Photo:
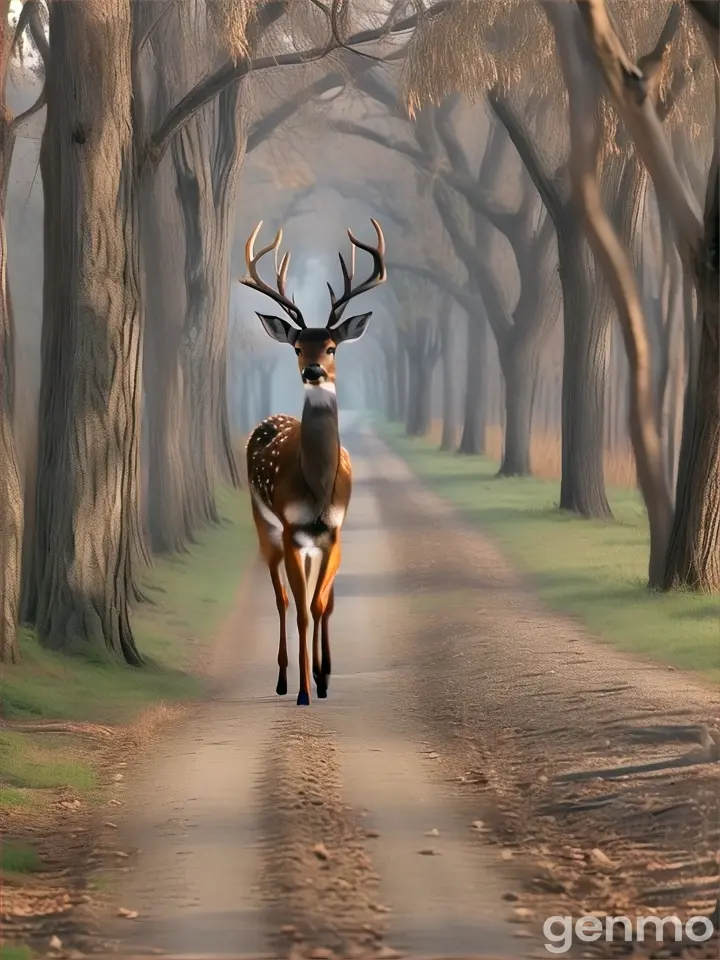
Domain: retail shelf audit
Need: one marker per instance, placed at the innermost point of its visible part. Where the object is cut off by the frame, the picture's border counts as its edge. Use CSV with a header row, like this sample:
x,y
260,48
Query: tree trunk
x,y
89,419
693,558
412,414
11,501
586,327
520,372
424,401
401,381
208,173
472,441
391,391
163,289
450,419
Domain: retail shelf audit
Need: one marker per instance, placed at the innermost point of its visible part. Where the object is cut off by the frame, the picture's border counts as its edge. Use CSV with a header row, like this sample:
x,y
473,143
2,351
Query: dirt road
x,y
353,826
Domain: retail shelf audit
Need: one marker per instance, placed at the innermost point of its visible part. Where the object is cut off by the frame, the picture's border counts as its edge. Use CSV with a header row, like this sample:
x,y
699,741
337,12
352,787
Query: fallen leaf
x,y
600,859
55,943
117,777
127,914
523,915
320,851
433,833
108,823
506,854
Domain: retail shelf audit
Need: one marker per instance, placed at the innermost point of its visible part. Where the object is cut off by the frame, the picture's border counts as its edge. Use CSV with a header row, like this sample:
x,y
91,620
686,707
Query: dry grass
x,y
545,457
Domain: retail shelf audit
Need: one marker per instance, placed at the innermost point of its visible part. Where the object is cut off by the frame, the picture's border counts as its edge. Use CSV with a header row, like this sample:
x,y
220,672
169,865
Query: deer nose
x,y
313,373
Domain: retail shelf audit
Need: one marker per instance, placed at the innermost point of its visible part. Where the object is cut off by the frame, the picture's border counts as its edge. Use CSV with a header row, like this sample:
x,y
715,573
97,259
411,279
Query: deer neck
x,y
320,443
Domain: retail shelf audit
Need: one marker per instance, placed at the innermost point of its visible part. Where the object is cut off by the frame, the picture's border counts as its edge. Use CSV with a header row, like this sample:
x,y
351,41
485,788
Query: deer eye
x,y
330,351
298,351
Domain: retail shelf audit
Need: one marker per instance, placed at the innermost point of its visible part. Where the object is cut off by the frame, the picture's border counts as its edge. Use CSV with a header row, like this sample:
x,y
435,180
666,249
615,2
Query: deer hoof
x,y
303,699
281,688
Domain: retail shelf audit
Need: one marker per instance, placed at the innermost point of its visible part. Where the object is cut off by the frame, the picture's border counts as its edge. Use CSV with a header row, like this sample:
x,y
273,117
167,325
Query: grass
x,y
18,858
593,570
9,951
190,595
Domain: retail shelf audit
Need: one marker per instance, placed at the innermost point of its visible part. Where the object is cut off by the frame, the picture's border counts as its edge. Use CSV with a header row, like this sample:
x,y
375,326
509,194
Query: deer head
x,y
314,346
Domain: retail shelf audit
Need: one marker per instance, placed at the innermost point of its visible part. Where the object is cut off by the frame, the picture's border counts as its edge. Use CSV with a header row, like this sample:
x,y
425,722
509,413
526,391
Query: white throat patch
x,y
320,394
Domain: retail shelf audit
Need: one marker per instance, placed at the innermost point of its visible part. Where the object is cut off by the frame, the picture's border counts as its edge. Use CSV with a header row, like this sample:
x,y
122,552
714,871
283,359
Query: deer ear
x,y
278,329
351,329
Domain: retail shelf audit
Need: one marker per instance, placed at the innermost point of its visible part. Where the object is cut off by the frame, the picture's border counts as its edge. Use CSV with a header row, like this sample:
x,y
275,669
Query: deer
x,y
299,476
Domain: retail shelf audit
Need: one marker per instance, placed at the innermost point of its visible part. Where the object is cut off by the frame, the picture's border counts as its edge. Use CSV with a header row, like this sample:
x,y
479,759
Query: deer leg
x,y
295,568
319,607
281,600
326,634
272,553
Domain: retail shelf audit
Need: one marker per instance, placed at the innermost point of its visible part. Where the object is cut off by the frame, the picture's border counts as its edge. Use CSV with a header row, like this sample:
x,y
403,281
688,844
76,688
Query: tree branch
x,y
231,72
545,179
26,115
475,264
352,129
460,177
629,92
439,278
31,19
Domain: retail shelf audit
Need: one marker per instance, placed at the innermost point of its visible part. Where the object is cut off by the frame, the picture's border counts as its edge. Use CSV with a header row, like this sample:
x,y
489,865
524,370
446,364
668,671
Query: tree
x,y
683,550
11,500
88,438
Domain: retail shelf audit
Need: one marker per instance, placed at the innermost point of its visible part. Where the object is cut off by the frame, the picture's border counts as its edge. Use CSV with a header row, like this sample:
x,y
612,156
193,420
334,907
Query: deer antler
x,y
378,275
254,280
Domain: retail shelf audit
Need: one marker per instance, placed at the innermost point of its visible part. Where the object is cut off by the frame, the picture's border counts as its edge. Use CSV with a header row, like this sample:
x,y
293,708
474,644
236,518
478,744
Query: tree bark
x,y
208,173
168,418
391,390
693,557
423,354
401,381
472,441
11,500
450,415
89,420
520,371
586,329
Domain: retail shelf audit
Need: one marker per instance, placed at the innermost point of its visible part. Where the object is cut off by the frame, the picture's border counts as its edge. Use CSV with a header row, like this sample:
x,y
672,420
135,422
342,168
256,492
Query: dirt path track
x,y
266,829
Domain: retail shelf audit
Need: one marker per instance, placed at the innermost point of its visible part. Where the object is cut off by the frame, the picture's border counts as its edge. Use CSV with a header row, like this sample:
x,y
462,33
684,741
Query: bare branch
x,y
232,72
547,181
352,129
23,117
628,89
31,19
435,275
